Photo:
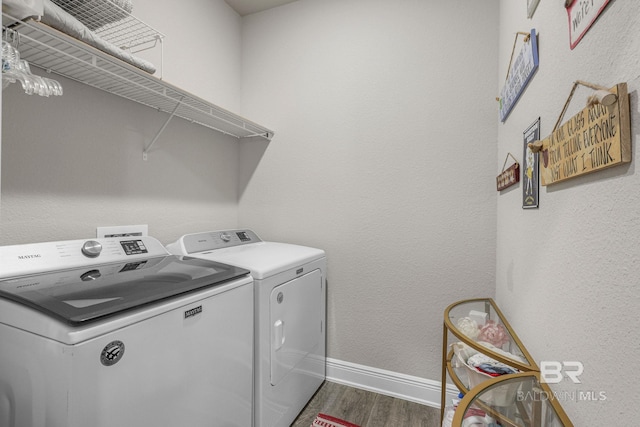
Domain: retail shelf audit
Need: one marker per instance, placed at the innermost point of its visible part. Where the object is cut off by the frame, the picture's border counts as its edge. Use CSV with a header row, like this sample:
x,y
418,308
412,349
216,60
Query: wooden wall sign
x,y
582,14
510,176
519,74
596,138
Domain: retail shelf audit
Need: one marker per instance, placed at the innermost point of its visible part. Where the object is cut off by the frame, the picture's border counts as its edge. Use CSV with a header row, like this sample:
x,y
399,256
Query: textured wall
x,y
383,156
201,47
567,273
74,162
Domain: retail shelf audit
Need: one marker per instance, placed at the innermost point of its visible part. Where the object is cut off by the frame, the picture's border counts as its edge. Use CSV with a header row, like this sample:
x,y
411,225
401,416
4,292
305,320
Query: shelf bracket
x,y
146,150
265,135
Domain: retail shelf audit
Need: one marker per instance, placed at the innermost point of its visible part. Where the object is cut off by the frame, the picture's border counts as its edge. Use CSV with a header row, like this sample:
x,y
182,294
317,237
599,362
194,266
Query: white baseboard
x,y
407,387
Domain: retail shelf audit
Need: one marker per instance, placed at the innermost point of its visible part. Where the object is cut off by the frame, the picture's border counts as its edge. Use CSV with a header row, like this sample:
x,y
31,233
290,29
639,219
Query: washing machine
x,y
120,332
290,304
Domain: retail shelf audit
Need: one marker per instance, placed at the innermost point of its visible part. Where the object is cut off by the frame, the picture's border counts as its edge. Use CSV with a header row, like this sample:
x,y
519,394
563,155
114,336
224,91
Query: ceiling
x,y
246,7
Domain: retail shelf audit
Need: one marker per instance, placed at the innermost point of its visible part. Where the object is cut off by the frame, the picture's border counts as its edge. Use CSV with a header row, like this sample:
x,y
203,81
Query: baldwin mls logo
x,y
112,353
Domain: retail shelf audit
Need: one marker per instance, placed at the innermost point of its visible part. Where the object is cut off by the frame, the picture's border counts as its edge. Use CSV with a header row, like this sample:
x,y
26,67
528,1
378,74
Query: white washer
x,y
119,332
290,304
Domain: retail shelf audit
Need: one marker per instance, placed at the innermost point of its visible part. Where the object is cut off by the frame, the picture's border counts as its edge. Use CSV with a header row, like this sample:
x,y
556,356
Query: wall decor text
x,y
509,176
520,72
596,138
582,15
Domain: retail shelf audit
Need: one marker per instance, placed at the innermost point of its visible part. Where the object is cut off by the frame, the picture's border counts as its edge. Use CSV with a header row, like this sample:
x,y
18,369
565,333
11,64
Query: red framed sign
x,y
509,177
582,14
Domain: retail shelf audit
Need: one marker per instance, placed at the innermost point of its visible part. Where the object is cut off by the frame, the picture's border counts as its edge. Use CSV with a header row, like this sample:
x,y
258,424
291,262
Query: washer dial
x,y
91,248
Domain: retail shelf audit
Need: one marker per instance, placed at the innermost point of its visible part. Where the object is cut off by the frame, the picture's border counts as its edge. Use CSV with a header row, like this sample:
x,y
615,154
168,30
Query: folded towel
x,y
21,9
489,365
57,18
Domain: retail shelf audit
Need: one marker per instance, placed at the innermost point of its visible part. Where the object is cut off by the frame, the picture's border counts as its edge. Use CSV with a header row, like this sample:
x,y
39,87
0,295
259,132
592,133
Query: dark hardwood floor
x,y
366,409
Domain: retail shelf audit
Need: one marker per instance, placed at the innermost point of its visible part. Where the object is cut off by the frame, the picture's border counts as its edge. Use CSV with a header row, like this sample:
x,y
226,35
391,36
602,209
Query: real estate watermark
x,y
553,372
562,396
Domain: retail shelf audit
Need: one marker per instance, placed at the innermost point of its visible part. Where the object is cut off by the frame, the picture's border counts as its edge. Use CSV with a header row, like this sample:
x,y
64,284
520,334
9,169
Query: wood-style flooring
x,y
366,409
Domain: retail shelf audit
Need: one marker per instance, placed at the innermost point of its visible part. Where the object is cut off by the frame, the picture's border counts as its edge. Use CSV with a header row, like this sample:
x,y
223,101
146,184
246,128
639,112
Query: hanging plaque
x,y
582,15
596,138
520,73
509,176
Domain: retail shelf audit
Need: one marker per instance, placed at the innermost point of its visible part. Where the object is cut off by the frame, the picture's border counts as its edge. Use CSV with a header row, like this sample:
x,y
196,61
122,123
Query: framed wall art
x,y
531,170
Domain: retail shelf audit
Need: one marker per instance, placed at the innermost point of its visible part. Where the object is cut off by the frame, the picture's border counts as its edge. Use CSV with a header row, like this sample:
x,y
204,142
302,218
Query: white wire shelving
x,y
61,54
113,22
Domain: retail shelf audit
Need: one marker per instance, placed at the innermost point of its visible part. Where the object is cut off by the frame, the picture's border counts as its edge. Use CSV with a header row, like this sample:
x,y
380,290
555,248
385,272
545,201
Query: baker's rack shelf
x,y
56,52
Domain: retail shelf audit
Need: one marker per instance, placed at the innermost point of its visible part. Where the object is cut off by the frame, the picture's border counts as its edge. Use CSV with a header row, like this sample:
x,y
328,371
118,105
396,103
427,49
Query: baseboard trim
x,y
389,383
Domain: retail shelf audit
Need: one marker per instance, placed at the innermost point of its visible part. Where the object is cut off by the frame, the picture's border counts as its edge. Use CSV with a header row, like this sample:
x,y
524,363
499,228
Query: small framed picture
x,y
531,7
531,169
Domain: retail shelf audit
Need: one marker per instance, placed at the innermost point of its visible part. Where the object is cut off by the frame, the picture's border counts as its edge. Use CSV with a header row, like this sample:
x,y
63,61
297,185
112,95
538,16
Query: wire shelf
x,y
59,53
112,21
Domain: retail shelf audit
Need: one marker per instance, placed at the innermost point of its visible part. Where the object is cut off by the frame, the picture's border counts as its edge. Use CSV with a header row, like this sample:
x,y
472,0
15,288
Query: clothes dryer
x,y
290,304
118,332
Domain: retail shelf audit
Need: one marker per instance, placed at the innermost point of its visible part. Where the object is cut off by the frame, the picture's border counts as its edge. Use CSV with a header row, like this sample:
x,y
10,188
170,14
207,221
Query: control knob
x,y
226,237
91,248
90,275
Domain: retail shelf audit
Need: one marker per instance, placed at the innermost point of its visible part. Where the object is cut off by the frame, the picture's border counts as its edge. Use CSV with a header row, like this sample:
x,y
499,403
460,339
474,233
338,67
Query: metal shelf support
x,y
146,150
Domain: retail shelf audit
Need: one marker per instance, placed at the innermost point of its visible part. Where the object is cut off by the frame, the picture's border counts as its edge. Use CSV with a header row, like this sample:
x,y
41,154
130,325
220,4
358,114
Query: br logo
x,y
551,372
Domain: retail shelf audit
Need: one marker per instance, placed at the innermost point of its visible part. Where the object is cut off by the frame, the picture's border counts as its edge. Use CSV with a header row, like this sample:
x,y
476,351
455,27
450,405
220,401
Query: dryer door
x,y
296,323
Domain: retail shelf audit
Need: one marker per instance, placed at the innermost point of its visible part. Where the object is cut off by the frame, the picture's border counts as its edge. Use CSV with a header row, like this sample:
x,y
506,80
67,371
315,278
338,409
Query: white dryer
x,y
290,304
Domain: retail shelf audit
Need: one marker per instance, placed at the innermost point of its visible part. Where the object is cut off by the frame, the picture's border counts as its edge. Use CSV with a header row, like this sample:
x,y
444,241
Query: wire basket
x,y
112,21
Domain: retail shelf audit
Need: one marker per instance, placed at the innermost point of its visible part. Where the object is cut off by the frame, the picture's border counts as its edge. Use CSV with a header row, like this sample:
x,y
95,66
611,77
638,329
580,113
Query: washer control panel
x,y
49,256
211,240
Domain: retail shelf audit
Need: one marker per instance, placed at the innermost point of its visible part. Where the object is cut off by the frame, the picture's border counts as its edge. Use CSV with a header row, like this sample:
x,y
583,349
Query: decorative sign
x,y
531,187
596,138
510,176
582,14
520,73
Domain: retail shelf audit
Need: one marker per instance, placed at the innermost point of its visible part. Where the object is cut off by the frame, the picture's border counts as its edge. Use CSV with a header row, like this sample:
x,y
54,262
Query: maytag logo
x,y
112,353
193,312
29,256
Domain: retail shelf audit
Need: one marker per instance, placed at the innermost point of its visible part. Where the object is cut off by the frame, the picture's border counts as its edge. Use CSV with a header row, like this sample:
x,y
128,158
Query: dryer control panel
x,y
211,240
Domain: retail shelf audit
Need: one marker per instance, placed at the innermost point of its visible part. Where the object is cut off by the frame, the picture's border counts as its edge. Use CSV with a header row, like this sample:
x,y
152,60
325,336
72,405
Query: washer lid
x,y
81,295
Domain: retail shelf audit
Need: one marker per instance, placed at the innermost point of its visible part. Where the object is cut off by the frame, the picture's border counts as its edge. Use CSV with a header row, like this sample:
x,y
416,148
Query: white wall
x,y
385,125
201,47
567,273
74,162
